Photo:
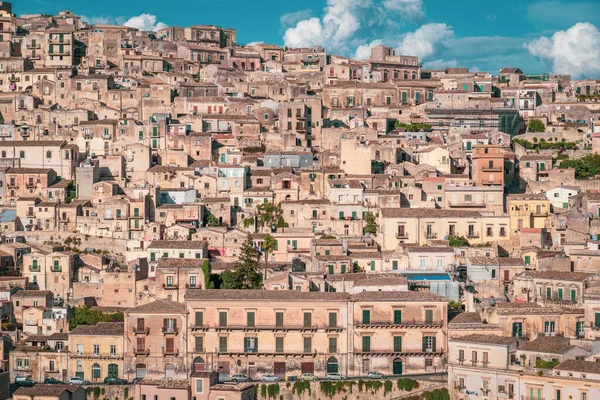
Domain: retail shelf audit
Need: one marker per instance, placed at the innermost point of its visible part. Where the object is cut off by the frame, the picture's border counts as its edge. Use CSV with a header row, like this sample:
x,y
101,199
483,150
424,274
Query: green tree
x,y
246,272
535,125
85,316
585,167
371,223
269,245
206,270
268,214
248,222
211,220
458,241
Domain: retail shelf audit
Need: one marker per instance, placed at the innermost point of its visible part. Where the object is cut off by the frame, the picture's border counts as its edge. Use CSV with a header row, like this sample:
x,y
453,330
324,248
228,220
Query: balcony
x,y
170,330
170,287
141,352
32,46
200,327
431,235
140,330
170,352
14,79
300,117
473,235
492,182
98,356
270,352
539,214
402,324
58,41
51,371
283,328
491,169
467,204
56,52
30,185
398,352
402,236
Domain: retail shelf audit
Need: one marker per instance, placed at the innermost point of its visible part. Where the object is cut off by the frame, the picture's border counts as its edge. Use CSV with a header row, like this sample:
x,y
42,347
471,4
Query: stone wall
x,y
348,390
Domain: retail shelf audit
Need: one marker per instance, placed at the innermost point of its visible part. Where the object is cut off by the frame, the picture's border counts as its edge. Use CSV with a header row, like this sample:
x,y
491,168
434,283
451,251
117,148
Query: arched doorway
x,y
113,371
96,372
198,364
332,365
397,367
140,370
170,371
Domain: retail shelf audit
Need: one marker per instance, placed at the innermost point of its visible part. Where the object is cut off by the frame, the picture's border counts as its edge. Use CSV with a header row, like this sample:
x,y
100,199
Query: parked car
x,y
78,381
333,376
52,381
308,377
136,379
114,381
269,378
375,375
23,380
241,378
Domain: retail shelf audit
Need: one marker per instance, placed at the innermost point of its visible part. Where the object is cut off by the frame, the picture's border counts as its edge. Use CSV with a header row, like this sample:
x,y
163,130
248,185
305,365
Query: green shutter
x,y
343,268
560,293
527,260
597,320
330,267
549,293
372,265
395,265
397,344
424,344
397,316
573,295
366,316
366,344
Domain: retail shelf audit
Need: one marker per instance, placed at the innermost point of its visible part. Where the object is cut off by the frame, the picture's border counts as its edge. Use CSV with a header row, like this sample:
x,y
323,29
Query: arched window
x,y
22,154
48,154
140,370
96,372
170,371
198,364
3,154
332,365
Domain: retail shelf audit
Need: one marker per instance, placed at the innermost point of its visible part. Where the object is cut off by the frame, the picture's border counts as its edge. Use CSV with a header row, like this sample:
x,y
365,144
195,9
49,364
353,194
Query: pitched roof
x,y
100,329
159,306
467,318
41,389
177,244
549,344
486,339
579,366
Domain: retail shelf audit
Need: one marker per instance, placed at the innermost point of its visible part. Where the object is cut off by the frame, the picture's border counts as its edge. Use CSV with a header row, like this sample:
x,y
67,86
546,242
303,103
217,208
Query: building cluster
x,y
409,221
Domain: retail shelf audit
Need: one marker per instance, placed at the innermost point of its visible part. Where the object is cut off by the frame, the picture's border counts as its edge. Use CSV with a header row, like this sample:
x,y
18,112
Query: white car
x,y
269,378
334,376
308,377
78,381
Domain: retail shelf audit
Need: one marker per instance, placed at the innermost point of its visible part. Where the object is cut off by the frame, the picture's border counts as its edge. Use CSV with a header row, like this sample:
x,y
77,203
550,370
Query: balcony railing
x,y
401,324
170,287
51,371
402,236
170,352
391,351
473,235
492,169
270,327
31,46
140,330
431,235
141,352
170,330
466,204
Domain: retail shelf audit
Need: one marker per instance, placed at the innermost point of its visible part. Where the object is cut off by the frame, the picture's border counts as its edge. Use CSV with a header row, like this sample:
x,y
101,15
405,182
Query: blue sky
x,y
539,36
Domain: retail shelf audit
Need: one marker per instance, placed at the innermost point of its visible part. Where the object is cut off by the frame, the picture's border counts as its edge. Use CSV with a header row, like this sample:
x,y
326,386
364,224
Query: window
x,y
279,319
366,344
223,344
332,345
332,319
250,319
397,317
199,387
517,329
48,154
22,154
429,316
307,345
96,350
366,316
395,265
307,319
397,344
222,318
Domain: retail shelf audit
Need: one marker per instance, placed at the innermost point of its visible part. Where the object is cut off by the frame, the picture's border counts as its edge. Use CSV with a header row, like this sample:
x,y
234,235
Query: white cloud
x,y
440,64
346,24
490,17
425,41
575,51
145,22
412,9
254,43
306,33
363,52
291,19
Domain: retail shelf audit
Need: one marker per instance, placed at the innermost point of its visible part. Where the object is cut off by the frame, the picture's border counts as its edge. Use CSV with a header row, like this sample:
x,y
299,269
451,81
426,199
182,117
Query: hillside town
x,y
185,217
